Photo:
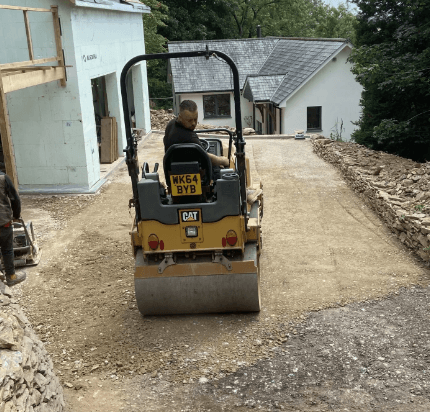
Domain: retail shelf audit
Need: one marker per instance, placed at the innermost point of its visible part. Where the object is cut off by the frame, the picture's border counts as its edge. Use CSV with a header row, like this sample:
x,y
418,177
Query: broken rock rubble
x,y
398,189
27,379
160,118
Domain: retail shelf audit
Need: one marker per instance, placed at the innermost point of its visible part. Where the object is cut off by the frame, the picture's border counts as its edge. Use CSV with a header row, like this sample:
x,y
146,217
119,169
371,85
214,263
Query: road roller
x,y
196,237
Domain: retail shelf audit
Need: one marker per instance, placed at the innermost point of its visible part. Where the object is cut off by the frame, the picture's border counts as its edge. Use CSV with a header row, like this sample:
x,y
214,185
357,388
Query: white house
x,y
287,84
54,128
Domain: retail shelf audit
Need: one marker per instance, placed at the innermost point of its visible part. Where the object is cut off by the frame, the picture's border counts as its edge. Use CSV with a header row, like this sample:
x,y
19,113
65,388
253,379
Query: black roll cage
x,y
131,149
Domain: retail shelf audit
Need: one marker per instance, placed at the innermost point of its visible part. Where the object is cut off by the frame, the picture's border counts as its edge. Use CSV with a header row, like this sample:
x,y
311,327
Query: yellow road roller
x,y
197,238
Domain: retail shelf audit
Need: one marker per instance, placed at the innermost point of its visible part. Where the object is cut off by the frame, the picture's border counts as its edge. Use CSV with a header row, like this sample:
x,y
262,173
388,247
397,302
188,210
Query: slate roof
x,y
298,59
262,88
196,74
272,67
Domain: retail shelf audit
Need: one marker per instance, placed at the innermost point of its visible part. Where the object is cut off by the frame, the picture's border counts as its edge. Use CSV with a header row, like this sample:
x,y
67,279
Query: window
x,y
314,118
216,105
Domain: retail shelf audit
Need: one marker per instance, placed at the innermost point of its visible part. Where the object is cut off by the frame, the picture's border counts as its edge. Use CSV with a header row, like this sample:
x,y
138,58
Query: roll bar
x,y
131,149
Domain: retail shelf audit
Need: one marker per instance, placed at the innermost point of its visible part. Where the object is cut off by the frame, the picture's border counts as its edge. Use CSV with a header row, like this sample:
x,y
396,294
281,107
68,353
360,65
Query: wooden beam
x,y
22,69
23,8
28,63
28,68
6,138
33,78
58,44
7,73
28,33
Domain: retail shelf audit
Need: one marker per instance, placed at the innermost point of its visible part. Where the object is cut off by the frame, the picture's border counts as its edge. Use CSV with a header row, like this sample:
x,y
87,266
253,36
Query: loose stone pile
x,y
398,189
27,380
160,118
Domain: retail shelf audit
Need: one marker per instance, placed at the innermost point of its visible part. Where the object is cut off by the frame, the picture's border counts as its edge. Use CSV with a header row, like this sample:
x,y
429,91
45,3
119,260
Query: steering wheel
x,y
205,144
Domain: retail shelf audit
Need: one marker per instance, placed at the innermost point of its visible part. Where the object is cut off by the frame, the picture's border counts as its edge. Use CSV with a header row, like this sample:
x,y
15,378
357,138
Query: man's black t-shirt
x,y
176,133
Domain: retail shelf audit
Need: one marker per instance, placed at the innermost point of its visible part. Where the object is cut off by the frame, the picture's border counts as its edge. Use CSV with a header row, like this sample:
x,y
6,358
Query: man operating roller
x,y
181,130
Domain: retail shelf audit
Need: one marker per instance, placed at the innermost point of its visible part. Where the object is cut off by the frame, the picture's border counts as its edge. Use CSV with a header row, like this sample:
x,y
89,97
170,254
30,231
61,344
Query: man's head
x,y
188,114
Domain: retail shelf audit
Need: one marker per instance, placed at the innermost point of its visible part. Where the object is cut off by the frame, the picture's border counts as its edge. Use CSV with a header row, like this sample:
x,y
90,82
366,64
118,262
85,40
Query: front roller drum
x,y
198,287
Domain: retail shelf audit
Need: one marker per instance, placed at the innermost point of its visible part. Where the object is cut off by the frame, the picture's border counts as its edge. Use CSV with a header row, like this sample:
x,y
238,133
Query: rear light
x,y
224,242
153,242
231,237
191,231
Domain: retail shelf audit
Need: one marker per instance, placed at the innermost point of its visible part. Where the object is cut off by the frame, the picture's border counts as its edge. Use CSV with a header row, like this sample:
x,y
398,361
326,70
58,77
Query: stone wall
x,y
397,189
27,380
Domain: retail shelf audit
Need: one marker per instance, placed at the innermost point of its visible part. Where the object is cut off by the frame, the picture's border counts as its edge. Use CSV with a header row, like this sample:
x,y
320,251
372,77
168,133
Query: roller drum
x,y
198,293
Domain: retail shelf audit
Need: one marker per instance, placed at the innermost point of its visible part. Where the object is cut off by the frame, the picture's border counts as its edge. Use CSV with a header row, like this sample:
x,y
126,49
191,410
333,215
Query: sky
x,y
336,3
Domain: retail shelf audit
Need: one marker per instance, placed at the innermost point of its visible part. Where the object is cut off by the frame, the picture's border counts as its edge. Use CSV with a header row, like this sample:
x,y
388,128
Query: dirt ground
x,y
341,327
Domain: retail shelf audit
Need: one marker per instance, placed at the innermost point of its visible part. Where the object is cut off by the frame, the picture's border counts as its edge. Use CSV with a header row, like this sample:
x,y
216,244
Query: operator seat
x,y
188,158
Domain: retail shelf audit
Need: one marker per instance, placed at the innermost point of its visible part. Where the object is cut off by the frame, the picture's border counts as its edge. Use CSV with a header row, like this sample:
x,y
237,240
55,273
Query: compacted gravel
x,y
313,346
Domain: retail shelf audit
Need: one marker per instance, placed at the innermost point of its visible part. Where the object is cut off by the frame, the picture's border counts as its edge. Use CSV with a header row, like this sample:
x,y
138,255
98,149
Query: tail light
x,y
231,237
153,242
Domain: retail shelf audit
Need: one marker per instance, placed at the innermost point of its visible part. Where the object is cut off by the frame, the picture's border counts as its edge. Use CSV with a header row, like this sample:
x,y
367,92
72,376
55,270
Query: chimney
x,y
259,31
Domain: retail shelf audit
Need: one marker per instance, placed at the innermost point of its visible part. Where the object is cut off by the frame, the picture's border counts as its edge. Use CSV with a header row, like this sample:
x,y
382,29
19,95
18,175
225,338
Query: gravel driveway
x,y
324,252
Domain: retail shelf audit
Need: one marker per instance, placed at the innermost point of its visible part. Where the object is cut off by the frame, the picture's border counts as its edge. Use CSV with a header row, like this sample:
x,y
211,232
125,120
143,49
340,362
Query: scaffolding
x,y
19,75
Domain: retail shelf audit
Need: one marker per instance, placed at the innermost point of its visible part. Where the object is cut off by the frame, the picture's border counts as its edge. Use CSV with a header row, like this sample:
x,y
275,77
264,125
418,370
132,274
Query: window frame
x,y
217,115
314,129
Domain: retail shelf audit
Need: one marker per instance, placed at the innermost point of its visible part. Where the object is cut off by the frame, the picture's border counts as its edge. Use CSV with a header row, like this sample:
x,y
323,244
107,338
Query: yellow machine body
x,y
199,275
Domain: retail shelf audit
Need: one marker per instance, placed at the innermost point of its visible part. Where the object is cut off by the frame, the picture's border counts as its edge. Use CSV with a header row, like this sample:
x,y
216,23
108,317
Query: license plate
x,y
186,185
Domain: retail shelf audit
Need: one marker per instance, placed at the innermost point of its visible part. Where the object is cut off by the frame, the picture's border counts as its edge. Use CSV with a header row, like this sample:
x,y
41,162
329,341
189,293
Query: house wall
x,y
246,109
53,128
335,89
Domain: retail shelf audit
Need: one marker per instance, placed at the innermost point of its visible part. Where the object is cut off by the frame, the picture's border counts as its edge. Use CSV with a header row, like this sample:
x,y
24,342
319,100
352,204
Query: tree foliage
x,y
156,43
231,19
307,18
197,20
393,65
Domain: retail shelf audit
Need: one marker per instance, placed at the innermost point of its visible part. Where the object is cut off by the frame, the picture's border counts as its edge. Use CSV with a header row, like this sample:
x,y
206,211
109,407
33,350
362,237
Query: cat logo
x,y
190,216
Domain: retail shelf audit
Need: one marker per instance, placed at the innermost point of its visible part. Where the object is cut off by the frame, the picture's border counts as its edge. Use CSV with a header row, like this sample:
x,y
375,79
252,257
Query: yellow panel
x,y
171,235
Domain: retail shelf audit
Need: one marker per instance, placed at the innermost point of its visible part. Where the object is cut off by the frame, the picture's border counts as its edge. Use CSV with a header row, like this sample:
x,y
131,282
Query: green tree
x,y
393,66
157,43
247,14
197,20
335,22
310,18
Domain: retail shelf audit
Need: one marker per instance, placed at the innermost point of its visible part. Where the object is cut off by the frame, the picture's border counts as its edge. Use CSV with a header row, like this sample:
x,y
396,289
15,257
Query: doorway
x,y
101,108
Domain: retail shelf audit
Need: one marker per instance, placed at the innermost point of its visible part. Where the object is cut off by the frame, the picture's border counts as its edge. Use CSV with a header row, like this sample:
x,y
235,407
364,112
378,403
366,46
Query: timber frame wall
x,y
19,75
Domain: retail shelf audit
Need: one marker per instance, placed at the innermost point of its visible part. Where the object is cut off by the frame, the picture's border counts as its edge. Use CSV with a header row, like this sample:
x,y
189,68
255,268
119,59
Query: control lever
x,y
145,169
156,168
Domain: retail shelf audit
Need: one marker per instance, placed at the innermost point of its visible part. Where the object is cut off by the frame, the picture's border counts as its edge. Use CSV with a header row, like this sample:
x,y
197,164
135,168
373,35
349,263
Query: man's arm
x,y
15,201
218,160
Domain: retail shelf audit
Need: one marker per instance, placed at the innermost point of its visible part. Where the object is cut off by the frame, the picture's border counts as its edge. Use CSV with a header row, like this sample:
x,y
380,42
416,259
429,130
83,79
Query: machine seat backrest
x,y
187,156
